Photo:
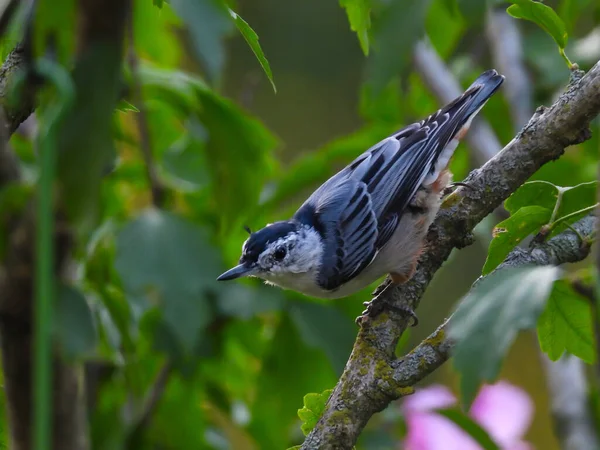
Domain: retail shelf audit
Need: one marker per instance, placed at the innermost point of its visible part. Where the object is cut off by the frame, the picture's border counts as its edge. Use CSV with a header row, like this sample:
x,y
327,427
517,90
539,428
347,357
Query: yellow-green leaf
x,y
359,16
314,405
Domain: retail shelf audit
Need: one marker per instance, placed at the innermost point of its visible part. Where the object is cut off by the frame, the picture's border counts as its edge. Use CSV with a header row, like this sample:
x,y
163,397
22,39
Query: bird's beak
x,y
241,270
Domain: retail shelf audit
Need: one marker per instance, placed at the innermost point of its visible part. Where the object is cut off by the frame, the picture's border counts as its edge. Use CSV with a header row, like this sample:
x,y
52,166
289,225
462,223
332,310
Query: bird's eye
x,y
279,253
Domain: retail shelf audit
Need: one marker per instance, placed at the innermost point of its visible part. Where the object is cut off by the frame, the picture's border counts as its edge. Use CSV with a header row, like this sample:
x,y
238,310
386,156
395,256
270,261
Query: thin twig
x,y
156,187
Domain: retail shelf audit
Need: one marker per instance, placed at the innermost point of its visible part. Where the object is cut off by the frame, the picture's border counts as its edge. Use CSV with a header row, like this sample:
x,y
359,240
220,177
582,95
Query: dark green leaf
x,y
566,324
488,318
252,39
539,193
168,262
470,427
238,154
510,232
542,15
324,327
396,31
158,3
311,412
208,22
359,16
74,325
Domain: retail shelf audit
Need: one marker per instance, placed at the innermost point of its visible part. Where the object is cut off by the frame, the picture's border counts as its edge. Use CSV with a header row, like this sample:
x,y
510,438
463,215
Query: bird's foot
x,y
379,304
452,186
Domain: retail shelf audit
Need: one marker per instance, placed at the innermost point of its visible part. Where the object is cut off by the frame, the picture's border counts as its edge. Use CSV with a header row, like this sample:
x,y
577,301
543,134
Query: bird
x,y
370,219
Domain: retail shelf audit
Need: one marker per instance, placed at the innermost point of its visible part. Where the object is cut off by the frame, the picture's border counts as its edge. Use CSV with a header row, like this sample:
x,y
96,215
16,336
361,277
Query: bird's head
x,y
279,249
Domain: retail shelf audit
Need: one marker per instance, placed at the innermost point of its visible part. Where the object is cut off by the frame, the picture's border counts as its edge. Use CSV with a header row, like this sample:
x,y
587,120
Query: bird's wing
x,y
345,218
357,210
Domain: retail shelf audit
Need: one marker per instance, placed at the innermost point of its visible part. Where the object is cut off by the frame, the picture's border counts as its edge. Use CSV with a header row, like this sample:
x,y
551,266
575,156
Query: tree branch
x,y
435,350
16,111
367,385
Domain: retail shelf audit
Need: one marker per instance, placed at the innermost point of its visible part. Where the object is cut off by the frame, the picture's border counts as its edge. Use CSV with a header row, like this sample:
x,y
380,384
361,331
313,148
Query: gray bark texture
x,y
367,384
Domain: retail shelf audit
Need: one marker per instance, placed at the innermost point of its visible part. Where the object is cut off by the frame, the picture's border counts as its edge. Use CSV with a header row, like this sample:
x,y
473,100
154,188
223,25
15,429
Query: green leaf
x,y
252,39
510,232
396,31
314,405
575,198
239,157
125,106
487,320
542,15
359,16
168,262
540,193
566,325
208,23
545,194
158,3
74,324
324,327
470,427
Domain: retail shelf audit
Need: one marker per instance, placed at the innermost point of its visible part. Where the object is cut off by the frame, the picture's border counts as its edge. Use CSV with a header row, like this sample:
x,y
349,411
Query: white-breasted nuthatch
x,y
370,219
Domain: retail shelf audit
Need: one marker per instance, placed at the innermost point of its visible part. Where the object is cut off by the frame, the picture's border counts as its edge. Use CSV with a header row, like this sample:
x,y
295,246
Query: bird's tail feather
x,y
485,85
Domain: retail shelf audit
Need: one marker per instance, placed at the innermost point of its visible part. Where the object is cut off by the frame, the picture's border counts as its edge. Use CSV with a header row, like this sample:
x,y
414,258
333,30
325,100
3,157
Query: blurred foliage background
x,y
235,359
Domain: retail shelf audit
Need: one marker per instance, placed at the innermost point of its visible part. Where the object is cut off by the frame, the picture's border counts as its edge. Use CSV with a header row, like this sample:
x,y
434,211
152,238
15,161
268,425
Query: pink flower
x,y
503,410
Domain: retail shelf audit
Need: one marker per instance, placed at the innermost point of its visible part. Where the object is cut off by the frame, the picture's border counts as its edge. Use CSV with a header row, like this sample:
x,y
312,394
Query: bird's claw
x,y
377,305
452,186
